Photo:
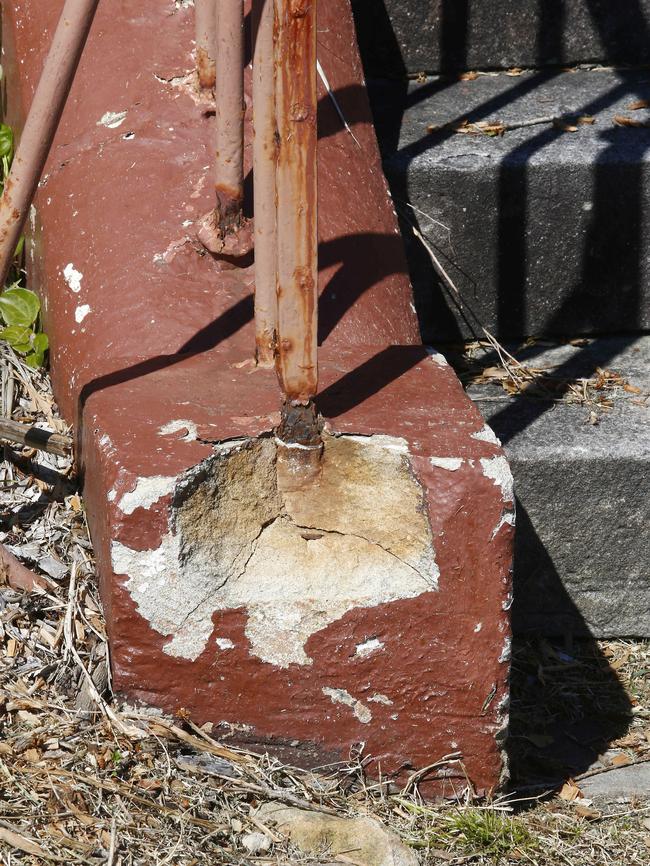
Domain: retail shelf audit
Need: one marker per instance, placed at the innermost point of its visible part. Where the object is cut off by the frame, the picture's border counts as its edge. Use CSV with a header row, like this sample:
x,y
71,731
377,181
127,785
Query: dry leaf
x,y
564,127
570,792
515,72
631,389
586,811
15,840
622,120
32,756
468,76
620,761
638,104
586,120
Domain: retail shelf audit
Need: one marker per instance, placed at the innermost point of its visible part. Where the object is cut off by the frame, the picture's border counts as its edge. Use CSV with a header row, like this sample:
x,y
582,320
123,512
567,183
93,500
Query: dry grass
x,y
83,780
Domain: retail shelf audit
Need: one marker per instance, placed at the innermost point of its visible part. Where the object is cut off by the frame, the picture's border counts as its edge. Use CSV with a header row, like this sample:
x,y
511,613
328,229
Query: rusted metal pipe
x,y
41,125
205,13
225,230
264,168
297,222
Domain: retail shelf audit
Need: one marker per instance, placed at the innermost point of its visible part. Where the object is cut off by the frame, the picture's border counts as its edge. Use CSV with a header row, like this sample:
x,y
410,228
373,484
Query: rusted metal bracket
x,y
41,125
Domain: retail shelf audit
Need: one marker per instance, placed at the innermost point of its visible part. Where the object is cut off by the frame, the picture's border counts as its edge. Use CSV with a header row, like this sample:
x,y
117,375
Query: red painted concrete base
x,y
373,611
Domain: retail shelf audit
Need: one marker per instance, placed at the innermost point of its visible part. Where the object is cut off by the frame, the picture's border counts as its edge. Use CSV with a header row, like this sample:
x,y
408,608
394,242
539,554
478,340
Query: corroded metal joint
x,y
299,446
300,424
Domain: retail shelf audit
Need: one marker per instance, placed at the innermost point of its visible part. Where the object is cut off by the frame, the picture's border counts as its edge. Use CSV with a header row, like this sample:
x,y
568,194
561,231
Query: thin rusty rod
x,y
297,201
41,125
264,168
224,230
205,15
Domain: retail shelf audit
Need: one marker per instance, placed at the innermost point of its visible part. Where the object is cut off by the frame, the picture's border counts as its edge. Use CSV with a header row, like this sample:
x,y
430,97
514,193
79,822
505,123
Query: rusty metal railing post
x,y
41,125
205,12
264,168
297,223
225,230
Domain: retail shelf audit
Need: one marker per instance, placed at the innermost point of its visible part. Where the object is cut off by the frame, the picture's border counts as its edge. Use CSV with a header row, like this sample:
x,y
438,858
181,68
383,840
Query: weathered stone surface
x,y
367,841
622,784
542,231
433,35
582,549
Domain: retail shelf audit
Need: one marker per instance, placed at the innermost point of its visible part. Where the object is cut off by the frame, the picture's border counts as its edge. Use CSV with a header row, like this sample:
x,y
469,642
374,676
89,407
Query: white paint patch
x,y
32,217
498,471
81,312
450,463
178,425
368,647
506,652
146,492
340,696
507,519
380,440
487,434
378,698
225,643
437,357
111,495
73,277
112,119
478,627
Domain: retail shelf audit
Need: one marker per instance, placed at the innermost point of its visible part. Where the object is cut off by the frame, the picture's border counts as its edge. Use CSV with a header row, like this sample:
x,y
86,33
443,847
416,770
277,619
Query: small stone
x,y
618,785
316,833
256,843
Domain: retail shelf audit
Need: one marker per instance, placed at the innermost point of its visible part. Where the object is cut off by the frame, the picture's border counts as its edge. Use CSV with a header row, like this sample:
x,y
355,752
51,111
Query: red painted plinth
x,y
152,341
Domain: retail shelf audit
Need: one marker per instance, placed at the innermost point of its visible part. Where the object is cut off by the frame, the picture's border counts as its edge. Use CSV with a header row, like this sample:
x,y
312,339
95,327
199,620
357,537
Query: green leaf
x,y
35,359
20,247
18,337
6,140
19,307
40,343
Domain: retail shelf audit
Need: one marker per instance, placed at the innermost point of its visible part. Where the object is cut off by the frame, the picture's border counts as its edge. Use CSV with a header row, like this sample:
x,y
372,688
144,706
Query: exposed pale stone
x,y
364,840
296,560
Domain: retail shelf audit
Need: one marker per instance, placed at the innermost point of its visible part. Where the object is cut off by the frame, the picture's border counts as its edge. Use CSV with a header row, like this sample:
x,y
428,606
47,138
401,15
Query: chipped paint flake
x,y
73,277
112,119
146,492
486,434
368,647
81,312
225,643
378,698
498,471
507,519
190,428
452,464
340,696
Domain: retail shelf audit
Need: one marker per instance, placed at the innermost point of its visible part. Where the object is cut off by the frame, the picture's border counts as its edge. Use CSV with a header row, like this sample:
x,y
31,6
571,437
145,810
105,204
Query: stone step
x,y
582,482
413,36
542,230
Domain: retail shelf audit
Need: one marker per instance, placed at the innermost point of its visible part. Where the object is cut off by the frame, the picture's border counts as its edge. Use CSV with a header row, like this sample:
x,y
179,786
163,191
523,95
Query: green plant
x,y
6,151
20,309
